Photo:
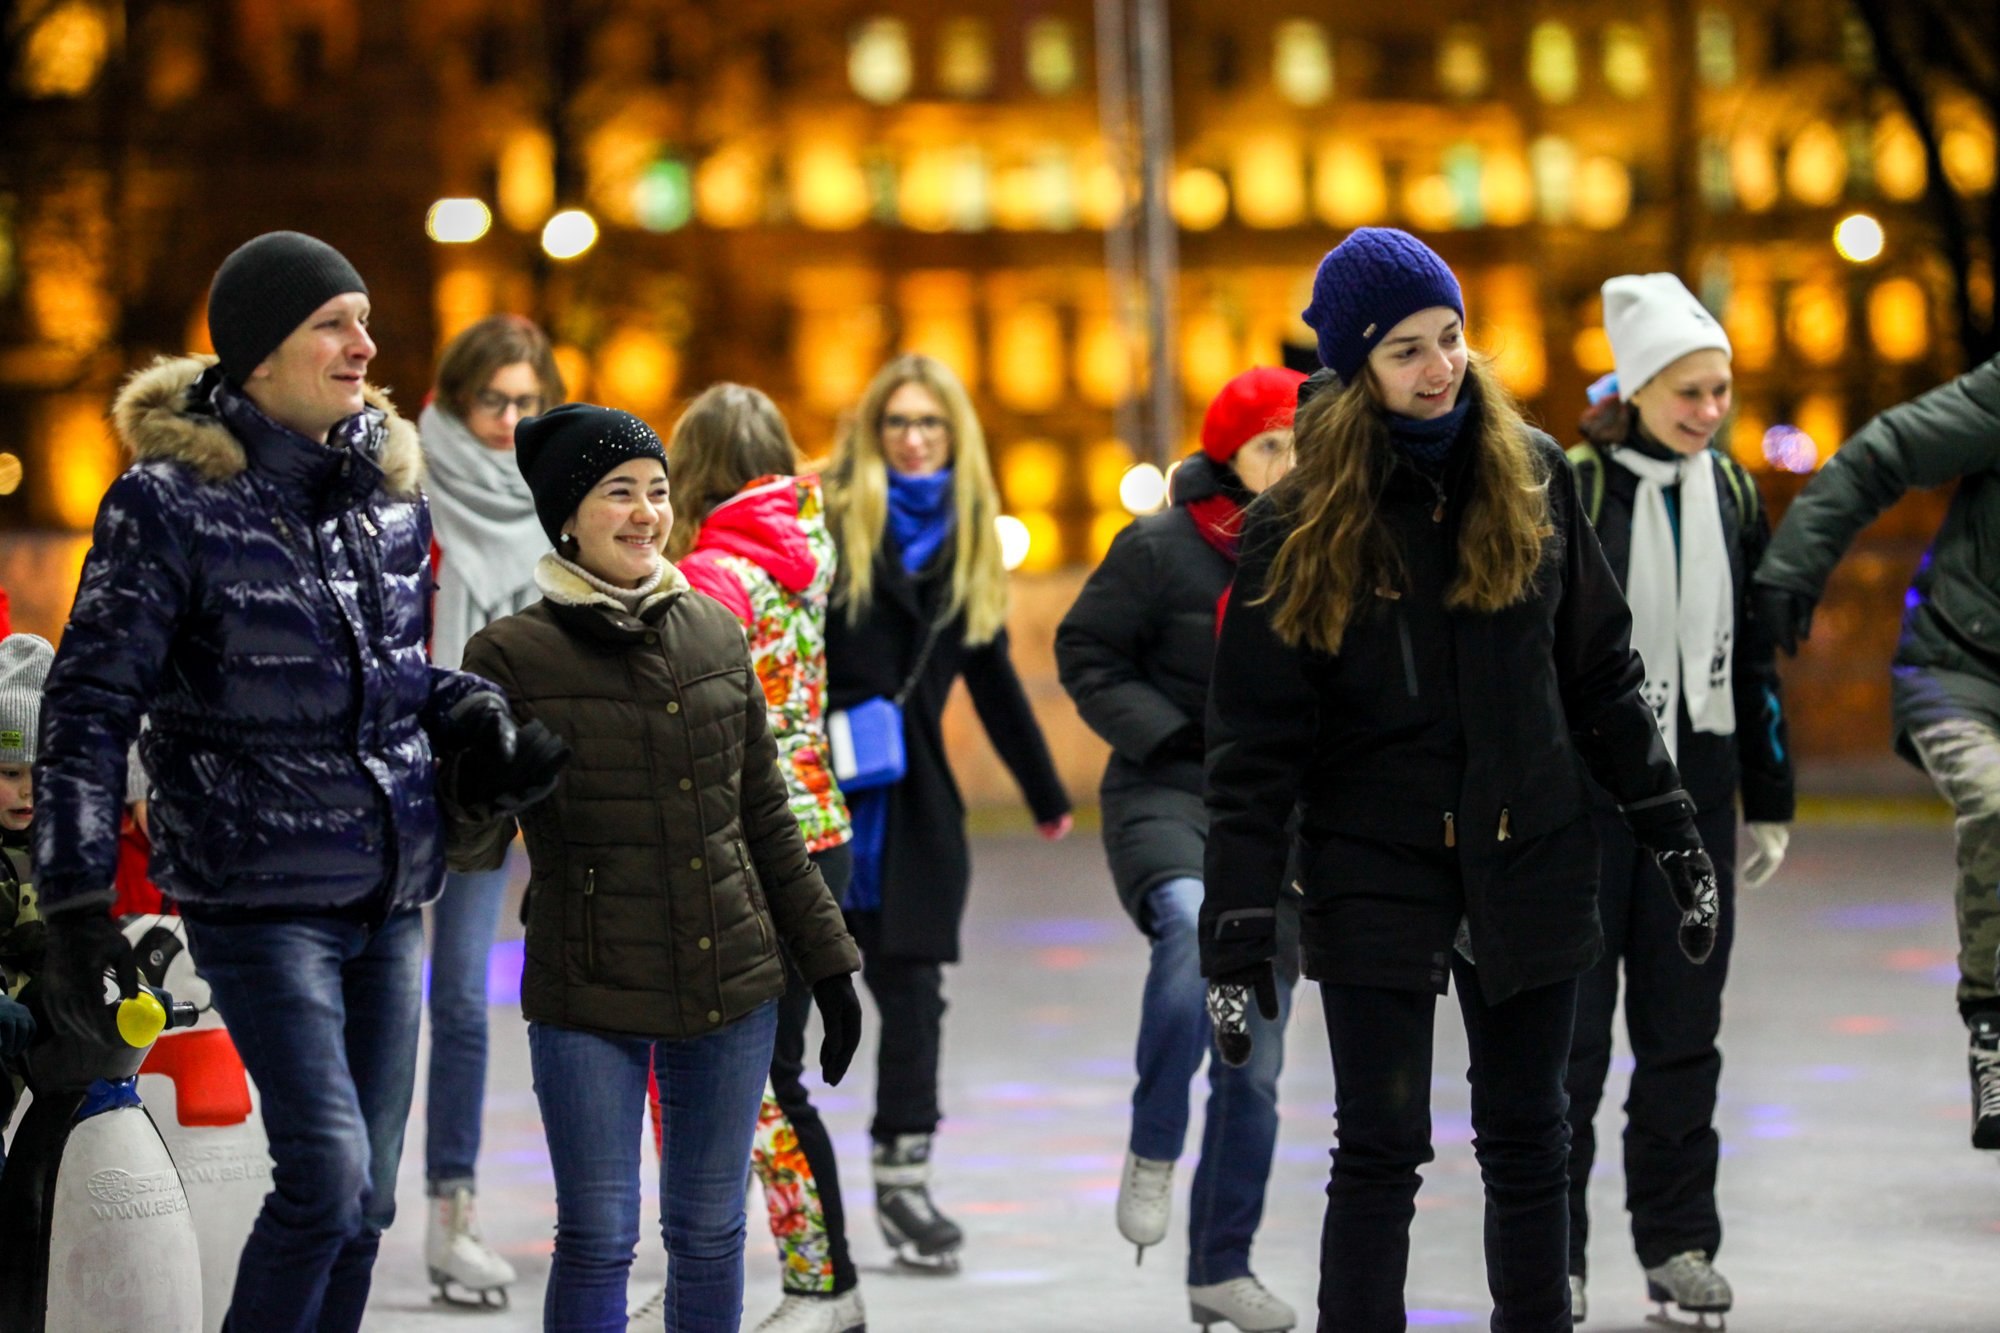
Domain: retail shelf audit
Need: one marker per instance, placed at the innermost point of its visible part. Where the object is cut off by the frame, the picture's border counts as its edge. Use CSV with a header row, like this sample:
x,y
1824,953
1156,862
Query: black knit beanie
x,y
567,450
265,289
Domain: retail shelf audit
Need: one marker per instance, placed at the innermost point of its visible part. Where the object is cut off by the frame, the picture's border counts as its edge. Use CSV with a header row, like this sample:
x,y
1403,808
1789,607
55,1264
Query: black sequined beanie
x,y
268,287
566,451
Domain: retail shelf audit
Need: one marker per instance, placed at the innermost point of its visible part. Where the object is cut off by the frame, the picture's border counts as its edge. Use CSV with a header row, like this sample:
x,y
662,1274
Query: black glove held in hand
x,y
17,1028
840,1015
494,766
1784,615
84,944
1229,997
1691,880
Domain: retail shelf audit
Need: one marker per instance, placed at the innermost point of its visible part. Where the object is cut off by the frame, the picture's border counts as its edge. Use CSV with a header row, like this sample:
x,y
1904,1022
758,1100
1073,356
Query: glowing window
x,y
729,187
1752,171
1603,193
878,60
527,179
1899,320
1816,322
1052,60
1715,48
1302,62
1349,187
1628,60
1462,69
1552,163
64,52
1717,190
1816,167
1552,67
1968,155
1464,171
1506,188
1200,200
1270,181
663,199
965,58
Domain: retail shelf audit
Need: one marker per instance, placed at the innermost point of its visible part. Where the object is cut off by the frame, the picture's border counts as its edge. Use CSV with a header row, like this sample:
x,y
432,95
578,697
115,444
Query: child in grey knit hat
x,y
24,665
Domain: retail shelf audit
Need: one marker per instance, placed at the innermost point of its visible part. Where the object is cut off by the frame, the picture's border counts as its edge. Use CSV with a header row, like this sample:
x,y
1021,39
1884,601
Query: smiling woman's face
x,y
1420,364
621,527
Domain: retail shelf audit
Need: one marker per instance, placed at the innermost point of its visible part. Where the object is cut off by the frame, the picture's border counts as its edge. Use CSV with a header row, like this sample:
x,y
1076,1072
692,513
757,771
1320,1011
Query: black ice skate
x,y
1983,1062
923,1238
1690,1283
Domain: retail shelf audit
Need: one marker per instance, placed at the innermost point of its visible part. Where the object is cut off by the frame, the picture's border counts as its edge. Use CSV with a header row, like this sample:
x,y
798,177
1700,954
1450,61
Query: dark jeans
x,y
1673,1011
909,996
324,1012
788,1064
1381,1042
464,920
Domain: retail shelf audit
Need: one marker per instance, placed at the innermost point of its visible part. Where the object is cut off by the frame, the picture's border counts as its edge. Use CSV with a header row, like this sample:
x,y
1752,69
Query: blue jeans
x,y
324,1011
464,920
1241,1128
592,1089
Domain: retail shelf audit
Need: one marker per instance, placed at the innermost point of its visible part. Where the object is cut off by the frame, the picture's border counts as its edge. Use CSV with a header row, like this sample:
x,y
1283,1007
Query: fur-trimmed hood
x,y
152,419
562,584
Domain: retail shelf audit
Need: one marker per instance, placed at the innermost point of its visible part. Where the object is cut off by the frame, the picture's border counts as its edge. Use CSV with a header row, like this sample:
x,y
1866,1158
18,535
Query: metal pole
x,y
1156,140
1114,116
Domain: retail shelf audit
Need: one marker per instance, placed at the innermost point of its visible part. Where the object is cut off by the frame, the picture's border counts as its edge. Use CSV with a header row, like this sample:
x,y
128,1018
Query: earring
x,y
566,545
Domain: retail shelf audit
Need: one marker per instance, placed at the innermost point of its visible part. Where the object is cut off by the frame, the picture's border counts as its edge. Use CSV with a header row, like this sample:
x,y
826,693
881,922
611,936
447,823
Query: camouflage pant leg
x,y
1963,759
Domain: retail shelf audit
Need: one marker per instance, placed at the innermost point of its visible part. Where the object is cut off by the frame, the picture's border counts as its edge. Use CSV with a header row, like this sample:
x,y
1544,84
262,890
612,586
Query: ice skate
x,y
464,1269
1688,1282
650,1314
1579,1304
922,1237
817,1314
1983,1061
1145,1201
1243,1302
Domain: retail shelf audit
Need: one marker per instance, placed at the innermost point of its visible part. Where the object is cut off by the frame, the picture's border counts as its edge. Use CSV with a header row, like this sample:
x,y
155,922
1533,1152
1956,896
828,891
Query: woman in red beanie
x,y
1134,653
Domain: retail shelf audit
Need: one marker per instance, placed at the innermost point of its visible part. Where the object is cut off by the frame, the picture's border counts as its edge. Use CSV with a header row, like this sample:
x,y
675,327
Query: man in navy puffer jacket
x,y
258,586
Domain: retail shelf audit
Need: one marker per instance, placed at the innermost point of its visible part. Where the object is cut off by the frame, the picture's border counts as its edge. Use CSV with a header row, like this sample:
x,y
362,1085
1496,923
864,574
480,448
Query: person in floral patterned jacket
x,y
753,535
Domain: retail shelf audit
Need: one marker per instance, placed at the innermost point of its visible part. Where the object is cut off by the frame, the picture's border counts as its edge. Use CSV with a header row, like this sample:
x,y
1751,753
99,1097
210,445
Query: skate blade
x,y
927,1265
1208,1318
449,1292
1713,1321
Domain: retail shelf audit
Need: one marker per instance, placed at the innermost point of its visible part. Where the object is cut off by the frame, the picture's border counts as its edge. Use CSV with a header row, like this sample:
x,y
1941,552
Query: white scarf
x,y
1683,609
488,536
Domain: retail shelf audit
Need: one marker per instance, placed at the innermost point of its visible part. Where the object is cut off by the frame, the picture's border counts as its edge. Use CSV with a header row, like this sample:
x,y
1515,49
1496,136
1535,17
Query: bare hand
x,y
1055,830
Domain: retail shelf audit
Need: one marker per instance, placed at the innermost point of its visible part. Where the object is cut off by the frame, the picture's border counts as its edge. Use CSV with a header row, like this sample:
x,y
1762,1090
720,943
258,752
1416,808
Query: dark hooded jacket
x,y
264,599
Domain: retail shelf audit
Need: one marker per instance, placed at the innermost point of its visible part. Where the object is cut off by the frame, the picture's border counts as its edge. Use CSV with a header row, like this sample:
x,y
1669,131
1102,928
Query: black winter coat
x,y
1757,759
1951,621
264,598
1450,740
1134,652
926,870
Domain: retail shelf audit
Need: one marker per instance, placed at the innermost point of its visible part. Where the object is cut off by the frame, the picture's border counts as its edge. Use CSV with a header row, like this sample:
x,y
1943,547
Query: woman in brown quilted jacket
x,y
666,872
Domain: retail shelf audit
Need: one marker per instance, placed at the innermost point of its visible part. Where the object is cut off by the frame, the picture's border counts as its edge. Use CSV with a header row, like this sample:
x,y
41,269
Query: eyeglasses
x,y
524,405
894,426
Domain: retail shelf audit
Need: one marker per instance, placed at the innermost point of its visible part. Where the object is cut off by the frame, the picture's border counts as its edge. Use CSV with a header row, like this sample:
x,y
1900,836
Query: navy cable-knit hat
x,y
1368,284
266,288
566,451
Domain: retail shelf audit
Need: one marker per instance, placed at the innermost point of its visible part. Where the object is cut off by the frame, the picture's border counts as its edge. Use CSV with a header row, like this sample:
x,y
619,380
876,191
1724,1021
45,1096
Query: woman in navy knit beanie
x,y
1424,654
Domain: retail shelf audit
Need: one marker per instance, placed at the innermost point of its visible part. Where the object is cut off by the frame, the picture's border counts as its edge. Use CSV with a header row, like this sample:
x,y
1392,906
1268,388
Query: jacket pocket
x,y
590,922
759,909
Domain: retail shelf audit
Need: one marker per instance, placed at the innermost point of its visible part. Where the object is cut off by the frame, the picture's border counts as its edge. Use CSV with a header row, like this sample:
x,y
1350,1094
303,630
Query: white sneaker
x,y
1242,1301
649,1315
1579,1304
464,1269
1145,1201
818,1314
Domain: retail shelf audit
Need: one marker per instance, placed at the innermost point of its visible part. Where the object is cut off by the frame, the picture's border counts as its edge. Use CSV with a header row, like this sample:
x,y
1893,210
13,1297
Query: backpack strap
x,y
1741,487
1589,465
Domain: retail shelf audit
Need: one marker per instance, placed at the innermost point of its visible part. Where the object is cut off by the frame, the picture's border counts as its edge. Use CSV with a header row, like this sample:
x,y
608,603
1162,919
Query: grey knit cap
x,y
24,665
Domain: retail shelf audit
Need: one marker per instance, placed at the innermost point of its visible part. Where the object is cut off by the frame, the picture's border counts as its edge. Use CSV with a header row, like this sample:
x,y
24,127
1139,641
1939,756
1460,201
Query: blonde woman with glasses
x,y
921,601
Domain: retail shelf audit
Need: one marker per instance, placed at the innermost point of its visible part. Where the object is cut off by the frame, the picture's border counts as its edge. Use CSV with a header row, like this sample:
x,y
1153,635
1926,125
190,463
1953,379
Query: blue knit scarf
x,y
921,515
1428,443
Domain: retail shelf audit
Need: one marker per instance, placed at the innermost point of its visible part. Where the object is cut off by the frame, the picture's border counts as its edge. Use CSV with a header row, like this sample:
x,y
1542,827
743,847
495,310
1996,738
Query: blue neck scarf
x,y
1428,443
921,515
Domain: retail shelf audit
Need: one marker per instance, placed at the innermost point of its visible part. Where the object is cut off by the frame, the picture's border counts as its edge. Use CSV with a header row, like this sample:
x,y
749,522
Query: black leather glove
x,y
1229,997
84,944
17,1027
493,766
840,1015
1786,616
1691,880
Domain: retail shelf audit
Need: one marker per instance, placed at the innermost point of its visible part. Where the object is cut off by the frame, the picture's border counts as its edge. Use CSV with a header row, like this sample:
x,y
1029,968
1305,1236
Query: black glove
x,y
494,767
17,1027
840,1015
84,944
1785,616
1691,880
1187,743
1229,996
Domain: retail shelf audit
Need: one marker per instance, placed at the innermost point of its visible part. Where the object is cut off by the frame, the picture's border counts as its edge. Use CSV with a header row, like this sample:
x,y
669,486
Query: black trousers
x,y
1673,1011
788,1065
1382,1042
909,996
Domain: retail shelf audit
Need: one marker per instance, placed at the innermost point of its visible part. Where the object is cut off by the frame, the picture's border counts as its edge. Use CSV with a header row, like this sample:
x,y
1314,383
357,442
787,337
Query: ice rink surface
x,y
1850,1198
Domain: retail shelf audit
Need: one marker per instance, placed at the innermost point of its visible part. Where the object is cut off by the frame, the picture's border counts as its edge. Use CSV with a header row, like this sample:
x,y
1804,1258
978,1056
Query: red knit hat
x,y
1252,403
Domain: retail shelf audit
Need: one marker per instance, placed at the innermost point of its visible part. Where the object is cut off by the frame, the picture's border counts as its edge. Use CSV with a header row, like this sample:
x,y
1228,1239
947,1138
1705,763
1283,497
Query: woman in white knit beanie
x,y
1683,528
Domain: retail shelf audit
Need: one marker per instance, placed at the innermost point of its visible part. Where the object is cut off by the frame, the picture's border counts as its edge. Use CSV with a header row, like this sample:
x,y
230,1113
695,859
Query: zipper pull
x,y
590,881
1437,515
1450,829
1505,831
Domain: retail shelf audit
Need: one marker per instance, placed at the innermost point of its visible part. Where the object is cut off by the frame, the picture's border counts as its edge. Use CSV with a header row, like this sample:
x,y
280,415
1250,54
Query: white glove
x,y
1767,852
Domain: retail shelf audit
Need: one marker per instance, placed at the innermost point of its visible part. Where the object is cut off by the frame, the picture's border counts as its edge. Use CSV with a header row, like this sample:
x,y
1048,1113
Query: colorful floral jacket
x,y
767,554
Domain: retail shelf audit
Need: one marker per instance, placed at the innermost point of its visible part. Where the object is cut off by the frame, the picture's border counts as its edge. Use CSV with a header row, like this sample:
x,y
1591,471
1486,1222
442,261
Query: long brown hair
x,y
729,436
857,498
1338,550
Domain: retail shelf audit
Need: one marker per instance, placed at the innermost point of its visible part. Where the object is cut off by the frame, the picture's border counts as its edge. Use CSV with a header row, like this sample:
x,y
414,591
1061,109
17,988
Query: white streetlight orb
x,y
1014,541
1143,489
569,233
457,221
1858,238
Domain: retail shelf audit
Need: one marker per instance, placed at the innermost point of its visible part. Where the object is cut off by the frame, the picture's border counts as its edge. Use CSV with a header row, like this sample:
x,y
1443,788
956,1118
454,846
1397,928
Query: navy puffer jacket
x,y
264,598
